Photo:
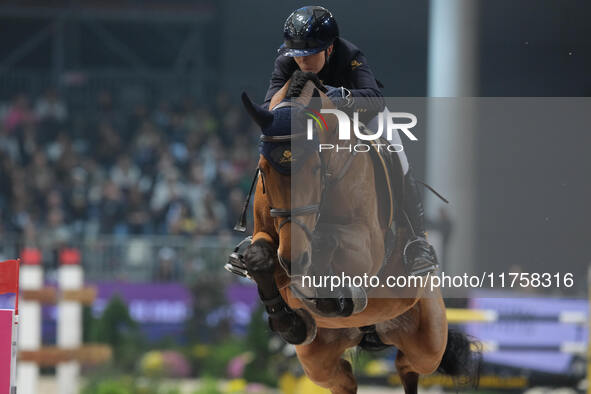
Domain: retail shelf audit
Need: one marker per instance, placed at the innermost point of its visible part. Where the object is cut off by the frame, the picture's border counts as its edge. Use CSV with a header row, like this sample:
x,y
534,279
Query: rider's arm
x,y
282,71
363,82
364,85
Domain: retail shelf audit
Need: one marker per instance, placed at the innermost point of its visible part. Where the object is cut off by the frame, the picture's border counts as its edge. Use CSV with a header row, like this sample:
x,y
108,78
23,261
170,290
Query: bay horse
x,y
323,329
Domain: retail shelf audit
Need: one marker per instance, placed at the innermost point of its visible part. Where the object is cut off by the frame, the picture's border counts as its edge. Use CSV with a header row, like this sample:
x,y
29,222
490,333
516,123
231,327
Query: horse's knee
x,y
319,376
332,375
433,346
260,257
421,353
422,361
427,365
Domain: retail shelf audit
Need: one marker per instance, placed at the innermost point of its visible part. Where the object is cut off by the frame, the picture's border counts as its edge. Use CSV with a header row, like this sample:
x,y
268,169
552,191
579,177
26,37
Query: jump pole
x,y
69,324
29,339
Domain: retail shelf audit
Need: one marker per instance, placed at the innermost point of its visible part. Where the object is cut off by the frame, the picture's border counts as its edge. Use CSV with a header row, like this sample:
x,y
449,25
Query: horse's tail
x,y
462,359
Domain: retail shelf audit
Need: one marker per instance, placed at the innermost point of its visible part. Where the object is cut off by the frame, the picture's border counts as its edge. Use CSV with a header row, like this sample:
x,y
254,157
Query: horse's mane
x,y
298,81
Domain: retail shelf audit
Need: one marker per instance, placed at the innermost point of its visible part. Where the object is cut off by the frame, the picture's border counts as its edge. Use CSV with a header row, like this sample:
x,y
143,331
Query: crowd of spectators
x,y
178,167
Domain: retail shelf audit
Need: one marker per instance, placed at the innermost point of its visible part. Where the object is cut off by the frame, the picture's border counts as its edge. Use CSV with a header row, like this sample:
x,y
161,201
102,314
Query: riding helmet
x,y
308,30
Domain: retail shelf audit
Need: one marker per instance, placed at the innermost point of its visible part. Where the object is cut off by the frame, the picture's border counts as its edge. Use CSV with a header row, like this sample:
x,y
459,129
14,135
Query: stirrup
x,y
236,264
429,258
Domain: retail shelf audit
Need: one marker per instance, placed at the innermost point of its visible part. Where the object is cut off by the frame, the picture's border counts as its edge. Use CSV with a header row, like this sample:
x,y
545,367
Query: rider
x,y
312,44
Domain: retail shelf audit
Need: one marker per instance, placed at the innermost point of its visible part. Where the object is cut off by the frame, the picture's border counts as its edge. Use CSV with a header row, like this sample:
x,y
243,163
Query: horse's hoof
x,y
310,325
301,331
333,307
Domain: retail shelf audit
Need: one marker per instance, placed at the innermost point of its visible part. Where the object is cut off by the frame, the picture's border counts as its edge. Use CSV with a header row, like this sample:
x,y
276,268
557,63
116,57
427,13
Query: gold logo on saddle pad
x,y
287,157
355,64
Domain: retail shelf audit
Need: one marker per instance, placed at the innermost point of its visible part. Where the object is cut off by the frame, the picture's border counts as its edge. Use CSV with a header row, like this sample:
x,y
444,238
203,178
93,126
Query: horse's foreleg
x,y
294,327
260,257
322,360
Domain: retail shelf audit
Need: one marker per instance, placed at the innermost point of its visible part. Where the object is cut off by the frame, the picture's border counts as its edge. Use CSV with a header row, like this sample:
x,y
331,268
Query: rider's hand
x,y
341,97
333,92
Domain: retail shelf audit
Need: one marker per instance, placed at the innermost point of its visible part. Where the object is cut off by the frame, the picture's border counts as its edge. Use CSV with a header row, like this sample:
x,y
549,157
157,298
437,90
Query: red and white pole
x,y
29,336
69,322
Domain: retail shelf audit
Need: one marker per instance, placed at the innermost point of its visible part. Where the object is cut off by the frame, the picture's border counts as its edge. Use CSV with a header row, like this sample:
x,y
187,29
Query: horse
x,y
286,221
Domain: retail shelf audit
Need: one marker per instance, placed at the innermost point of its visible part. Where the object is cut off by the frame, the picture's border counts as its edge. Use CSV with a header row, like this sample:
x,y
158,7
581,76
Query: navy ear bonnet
x,y
286,157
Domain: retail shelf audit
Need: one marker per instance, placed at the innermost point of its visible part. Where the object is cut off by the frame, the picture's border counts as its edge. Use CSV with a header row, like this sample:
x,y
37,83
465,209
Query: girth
x,y
371,340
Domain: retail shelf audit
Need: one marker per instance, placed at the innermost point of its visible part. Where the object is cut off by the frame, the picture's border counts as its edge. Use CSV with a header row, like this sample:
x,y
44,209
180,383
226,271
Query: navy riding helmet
x,y
308,30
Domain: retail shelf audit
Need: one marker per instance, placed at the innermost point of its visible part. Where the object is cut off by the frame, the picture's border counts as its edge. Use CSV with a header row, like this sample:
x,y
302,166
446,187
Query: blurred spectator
x,y
19,114
179,219
125,174
112,210
138,212
210,215
167,267
77,198
172,168
51,108
109,144
52,113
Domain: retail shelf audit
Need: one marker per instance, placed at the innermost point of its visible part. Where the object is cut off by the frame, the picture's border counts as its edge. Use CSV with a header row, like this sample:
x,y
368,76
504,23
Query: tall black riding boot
x,y
419,256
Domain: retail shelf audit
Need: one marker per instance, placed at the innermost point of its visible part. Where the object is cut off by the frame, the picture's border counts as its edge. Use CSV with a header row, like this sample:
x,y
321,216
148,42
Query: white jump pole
x,y
29,337
69,324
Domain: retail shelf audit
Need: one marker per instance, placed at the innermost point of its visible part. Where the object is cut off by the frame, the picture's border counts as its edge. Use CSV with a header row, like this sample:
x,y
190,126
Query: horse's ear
x,y
261,116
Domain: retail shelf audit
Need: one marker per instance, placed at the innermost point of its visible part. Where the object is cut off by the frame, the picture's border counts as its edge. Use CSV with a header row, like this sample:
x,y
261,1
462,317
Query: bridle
x,y
327,180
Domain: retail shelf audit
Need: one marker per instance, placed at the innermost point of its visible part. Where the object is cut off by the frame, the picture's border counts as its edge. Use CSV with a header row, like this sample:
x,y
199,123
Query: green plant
x,y
113,383
216,362
208,386
116,328
110,386
261,368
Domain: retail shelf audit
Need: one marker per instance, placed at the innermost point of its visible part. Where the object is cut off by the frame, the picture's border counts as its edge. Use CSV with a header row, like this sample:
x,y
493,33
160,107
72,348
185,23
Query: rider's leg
x,y
420,257
419,254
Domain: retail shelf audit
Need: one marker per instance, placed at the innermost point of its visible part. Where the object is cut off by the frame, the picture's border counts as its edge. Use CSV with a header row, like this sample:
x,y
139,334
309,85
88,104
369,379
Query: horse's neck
x,y
355,191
